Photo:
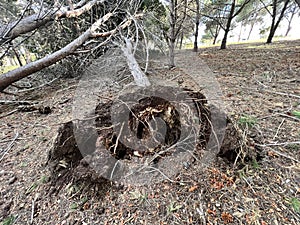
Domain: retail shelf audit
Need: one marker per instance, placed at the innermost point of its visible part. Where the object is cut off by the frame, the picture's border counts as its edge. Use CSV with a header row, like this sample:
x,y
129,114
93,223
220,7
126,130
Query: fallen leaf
x,y
193,188
226,217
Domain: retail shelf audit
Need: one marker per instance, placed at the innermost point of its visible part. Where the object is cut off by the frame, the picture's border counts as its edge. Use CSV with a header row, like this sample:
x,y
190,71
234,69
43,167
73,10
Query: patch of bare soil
x,y
261,91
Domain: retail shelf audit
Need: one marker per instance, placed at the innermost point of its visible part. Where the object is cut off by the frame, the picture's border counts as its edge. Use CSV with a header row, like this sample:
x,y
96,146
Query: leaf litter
x,y
261,89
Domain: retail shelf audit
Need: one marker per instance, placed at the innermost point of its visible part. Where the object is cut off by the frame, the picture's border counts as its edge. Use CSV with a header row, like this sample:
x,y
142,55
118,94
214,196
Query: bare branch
x,y
32,22
21,72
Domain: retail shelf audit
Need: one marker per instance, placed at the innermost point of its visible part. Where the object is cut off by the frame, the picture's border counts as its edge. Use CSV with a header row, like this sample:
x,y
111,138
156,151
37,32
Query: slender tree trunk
x,y
18,57
251,29
288,29
272,30
172,34
181,40
215,34
227,29
197,26
290,22
240,33
275,24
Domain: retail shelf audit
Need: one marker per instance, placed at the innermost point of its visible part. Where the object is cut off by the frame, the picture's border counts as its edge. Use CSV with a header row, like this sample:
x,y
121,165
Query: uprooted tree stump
x,y
96,141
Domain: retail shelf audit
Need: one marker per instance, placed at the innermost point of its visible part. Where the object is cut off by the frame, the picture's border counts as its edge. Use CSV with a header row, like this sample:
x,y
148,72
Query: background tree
x,y
197,23
177,10
234,10
252,14
292,10
277,12
212,30
223,13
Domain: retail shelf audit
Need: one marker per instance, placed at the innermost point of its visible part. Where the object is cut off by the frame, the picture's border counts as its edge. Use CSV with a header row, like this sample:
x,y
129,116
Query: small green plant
x,y
296,113
23,164
44,179
9,220
72,189
136,195
293,147
247,120
83,200
172,207
31,188
73,206
255,164
295,203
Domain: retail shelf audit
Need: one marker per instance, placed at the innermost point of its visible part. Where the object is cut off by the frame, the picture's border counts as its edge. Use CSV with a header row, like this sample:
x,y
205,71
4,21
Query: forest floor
x,y
261,93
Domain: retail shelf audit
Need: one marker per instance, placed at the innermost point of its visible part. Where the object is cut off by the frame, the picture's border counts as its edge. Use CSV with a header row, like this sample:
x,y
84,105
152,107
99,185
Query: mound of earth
x,y
131,134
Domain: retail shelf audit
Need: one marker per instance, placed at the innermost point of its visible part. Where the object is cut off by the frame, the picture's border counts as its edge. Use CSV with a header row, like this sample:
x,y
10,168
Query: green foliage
x,y
173,207
9,220
296,113
247,120
255,164
293,147
295,203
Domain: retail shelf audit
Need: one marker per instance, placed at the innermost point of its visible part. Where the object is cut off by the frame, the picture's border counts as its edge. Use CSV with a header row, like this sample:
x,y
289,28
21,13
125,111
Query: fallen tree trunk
x,y
14,75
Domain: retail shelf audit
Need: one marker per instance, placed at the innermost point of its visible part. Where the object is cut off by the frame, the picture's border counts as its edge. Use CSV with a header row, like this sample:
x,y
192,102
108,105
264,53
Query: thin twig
x,y
279,144
284,155
284,115
113,170
117,141
16,102
32,212
9,113
9,146
276,134
8,140
249,185
42,85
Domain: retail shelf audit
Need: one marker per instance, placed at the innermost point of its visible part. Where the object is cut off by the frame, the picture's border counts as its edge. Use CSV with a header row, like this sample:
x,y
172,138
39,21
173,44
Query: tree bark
x,y
172,34
139,76
289,26
228,25
197,22
232,14
216,34
30,68
251,29
275,24
294,11
24,25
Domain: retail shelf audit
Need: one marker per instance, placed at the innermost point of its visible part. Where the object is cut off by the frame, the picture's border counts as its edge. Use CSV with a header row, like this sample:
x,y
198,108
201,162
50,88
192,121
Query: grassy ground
x,y
260,85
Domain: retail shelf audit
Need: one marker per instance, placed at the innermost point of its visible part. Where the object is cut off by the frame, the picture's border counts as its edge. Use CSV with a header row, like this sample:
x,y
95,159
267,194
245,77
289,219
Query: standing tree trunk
x,y
215,34
251,29
275,24
228,25
179,42
240,33
289,26
172,34
293,11
197,22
